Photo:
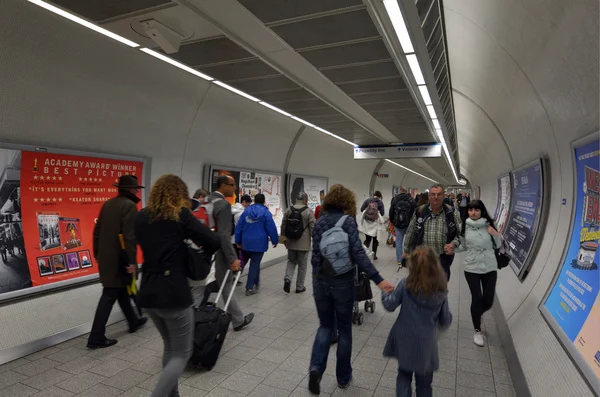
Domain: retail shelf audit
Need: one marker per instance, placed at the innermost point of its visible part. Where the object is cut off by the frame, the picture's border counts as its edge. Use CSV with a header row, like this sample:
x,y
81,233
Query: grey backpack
x,y
335,250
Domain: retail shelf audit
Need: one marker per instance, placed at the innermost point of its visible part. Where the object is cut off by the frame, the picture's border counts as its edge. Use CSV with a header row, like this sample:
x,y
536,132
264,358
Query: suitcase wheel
x,y
360,318
354,317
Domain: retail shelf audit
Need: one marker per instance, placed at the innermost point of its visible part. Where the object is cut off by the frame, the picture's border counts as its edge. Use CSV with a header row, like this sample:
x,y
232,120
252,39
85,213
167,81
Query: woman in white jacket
x,y
370,229
479,237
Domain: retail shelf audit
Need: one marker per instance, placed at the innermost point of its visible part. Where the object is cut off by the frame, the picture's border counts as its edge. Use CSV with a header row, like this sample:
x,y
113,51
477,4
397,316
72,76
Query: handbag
x,y
501,258
198,262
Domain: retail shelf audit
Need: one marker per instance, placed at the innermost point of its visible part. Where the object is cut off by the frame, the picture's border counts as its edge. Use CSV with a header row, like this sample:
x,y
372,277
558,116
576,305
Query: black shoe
x,y
239,283
139,325
345,386
299,291
375,257
102,345
247,320
314,382
286,285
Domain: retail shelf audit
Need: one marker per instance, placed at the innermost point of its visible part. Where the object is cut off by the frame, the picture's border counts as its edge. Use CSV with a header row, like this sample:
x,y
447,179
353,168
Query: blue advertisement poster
x,y
525,210
574,301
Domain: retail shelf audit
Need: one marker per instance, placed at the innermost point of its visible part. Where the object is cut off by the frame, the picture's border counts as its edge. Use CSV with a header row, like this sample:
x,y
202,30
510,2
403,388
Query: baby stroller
x,y
363,293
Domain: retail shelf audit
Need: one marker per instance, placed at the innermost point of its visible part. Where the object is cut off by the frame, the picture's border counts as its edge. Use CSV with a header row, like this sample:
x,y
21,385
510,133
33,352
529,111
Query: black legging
x,y
481,302
375,243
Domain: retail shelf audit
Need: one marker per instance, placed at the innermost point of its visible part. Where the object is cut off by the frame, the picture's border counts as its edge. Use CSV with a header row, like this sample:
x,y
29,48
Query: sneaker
x,y
286,285
399,265
478,338
345,385
300,290
314,382
250,292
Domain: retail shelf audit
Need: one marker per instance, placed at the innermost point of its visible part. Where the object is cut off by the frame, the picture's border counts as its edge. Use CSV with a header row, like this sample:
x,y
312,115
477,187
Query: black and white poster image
x,y
14,270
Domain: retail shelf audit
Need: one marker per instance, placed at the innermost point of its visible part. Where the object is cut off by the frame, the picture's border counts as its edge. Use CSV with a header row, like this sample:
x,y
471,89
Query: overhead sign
x,y
404,151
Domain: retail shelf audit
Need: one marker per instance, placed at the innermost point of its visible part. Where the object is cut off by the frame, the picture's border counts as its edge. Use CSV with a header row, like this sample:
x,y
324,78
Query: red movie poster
x,y
61,197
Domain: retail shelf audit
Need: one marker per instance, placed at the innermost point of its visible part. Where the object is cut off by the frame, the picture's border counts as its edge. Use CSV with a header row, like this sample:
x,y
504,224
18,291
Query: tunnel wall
x,y
532,91
67,87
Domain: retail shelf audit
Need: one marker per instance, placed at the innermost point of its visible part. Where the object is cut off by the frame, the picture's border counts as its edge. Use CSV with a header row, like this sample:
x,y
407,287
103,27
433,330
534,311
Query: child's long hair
x,y
426,275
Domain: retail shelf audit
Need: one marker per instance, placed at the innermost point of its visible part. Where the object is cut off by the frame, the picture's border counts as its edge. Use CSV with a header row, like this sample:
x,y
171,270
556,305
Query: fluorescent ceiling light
x,y
431,111
275,109
304,122
436,124
175,63
393,10
335,136
83,22
425,94
413,62
408,169
235,90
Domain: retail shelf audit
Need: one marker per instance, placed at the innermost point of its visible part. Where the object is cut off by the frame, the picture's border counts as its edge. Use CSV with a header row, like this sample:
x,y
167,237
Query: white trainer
x,y
478,338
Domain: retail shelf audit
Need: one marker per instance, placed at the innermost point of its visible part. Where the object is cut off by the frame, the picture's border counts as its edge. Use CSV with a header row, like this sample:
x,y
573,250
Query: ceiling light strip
x,y
415,68
408,169
268,105
393,10
176,64
235,90
83,22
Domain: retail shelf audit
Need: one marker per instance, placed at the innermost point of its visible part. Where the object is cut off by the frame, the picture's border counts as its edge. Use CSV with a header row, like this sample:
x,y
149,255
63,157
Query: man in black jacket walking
x,y
402,209
117,216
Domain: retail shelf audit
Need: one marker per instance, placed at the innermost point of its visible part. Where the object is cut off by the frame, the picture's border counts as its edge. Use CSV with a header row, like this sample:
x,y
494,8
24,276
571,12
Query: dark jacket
x,y
224,222
380,205
117,216
401,197
413,337
164,276
255,227
357,252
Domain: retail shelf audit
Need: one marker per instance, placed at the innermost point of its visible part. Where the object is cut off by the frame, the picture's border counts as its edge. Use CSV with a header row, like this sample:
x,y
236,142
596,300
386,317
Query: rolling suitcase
x,y
212,324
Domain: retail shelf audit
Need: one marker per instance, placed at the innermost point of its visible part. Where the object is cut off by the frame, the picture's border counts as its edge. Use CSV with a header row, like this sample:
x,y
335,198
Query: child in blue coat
x,y
413,338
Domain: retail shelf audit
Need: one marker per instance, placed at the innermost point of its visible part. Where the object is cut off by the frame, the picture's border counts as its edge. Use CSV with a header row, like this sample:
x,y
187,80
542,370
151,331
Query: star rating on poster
x,y
47,200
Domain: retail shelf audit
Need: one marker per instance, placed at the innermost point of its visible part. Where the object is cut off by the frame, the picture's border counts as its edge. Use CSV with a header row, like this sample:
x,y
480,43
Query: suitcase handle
x,y
237,278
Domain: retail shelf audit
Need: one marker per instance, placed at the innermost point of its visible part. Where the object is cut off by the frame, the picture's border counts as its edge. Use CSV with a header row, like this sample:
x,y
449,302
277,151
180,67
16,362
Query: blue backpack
x,y
335,250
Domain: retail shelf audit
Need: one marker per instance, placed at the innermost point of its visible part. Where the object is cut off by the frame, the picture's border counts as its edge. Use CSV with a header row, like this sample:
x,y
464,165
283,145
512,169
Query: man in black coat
x,y
117,216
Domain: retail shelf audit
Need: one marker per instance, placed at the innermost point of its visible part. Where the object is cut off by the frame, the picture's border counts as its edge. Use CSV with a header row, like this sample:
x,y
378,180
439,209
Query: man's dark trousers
x,y
446,261
105,305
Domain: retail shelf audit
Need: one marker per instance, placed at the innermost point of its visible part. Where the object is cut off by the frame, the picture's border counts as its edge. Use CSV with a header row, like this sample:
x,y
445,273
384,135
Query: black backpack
x,y
402,213
294,228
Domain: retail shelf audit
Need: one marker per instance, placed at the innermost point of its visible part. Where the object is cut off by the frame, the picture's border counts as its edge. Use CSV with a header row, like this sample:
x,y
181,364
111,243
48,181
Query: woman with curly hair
x,y
161,229
334,291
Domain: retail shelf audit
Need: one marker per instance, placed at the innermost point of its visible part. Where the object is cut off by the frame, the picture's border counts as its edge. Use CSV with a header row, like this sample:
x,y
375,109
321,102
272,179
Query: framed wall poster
x,y
504,202
572,303
49,202
314,186
251,182
521,231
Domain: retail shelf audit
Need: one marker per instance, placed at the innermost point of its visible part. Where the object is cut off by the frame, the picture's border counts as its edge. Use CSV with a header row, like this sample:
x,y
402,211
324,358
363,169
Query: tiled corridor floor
x,y
270,357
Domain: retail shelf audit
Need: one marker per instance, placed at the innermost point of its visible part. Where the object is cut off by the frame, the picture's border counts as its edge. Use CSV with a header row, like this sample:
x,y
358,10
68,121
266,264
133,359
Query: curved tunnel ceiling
x,y
511,81
346,80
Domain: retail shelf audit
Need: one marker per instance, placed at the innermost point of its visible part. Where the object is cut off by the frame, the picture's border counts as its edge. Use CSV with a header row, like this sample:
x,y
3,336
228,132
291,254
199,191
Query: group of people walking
x,y
427,237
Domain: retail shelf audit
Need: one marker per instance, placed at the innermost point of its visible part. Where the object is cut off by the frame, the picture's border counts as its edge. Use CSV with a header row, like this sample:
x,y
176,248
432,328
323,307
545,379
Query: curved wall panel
x,y
532,68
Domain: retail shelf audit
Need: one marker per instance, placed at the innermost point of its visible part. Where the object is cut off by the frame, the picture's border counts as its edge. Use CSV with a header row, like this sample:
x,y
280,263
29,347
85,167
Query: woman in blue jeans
x,y
334,295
